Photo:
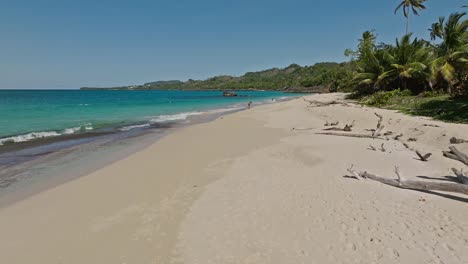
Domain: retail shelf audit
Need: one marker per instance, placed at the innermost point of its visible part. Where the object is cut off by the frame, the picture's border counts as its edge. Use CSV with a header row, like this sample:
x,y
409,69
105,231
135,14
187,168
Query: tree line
x,y
418,65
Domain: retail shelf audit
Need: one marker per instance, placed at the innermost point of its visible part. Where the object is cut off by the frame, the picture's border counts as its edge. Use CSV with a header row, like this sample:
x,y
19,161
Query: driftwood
x,y
379,123
462,178
455,154
319,104
397,137
347,128
348,135
455,140
382,148
332,123
372,148
380,127
413,185
423,157
431,125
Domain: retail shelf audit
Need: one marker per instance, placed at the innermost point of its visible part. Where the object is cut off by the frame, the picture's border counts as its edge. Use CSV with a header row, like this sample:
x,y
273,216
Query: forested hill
x,y
295,78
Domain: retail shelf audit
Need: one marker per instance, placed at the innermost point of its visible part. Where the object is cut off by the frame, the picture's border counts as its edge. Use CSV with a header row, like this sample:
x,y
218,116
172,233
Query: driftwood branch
x,y
382,148
332,123
348,135
462,178
455,140
380,127
423,157
413,185
379,123
347,128
319,104
431,125
455,154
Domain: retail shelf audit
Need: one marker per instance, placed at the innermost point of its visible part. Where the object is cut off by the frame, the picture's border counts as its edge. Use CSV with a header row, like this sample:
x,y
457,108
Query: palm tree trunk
x,y
407,23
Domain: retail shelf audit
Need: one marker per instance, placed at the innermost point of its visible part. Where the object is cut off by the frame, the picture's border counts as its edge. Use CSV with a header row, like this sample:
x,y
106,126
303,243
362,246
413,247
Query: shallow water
x,y
28,115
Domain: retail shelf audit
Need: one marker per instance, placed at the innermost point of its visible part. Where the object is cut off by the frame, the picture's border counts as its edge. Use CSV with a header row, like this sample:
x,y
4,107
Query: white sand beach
x,y
256,186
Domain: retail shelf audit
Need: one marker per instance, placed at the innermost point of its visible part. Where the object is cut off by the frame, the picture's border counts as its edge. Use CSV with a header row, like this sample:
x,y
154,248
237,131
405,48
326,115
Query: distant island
x,y
320,77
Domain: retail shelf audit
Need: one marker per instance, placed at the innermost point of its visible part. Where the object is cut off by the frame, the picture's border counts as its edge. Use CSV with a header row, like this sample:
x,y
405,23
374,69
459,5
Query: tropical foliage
x,y
409,6
415,64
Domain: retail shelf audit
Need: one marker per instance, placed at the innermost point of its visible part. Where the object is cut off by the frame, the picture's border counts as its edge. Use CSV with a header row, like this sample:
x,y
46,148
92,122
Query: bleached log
x,y
348,135
319,104
455,154
414,185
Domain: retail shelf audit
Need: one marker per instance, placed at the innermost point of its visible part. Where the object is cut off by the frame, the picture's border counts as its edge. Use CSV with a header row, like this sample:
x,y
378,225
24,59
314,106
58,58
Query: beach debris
x,y
321,104
348,135
431,125
456,154
455,140
380,127
400,182
372,148
302,129
388,133
397,137
332,123
412,139
347,128
382,148
461,176
423,157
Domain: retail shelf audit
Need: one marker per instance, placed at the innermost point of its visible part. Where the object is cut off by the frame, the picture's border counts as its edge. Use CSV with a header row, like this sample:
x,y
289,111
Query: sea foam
x,y
44,134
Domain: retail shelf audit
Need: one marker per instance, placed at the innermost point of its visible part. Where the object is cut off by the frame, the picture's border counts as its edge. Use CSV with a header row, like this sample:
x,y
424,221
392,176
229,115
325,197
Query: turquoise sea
x,y
28,115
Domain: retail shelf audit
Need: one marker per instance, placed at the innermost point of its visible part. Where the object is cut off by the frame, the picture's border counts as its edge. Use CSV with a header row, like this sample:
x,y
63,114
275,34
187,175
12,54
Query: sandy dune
x,y
246,188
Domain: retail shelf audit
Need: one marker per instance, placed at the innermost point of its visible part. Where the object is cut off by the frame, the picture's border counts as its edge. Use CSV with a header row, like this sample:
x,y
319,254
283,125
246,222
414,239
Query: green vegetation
x,y
327,76
439,106
415,64
416,76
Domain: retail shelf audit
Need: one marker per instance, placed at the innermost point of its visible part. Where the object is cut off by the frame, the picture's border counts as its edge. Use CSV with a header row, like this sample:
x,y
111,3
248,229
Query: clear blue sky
x,y
73,43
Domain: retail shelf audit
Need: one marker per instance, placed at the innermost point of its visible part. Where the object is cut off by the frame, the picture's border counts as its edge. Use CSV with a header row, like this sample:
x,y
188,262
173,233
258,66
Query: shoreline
x,y
110,147
255,186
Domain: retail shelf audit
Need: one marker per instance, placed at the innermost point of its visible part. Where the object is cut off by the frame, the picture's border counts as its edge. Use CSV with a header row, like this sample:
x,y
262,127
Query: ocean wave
x,y
127,128
44,134
28,137
174,117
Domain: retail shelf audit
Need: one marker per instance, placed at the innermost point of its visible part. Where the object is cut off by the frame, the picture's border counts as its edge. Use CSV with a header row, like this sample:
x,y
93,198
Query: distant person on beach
x,y
248,105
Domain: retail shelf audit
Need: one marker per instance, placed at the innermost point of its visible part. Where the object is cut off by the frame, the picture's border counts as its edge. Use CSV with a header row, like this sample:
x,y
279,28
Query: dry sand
x,y
246,188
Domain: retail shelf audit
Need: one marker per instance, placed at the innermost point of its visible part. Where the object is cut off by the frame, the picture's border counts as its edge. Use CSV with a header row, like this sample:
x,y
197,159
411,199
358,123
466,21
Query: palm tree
x,y
409,64
452,61
410,5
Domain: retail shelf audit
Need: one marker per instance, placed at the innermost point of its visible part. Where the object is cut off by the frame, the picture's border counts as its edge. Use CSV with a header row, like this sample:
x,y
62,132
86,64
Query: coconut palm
x,y
368,64
409,64
410,5
452,61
